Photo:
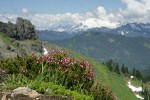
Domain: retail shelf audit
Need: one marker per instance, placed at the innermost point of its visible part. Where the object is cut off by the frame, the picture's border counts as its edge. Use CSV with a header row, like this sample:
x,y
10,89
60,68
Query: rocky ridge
x,y
22,30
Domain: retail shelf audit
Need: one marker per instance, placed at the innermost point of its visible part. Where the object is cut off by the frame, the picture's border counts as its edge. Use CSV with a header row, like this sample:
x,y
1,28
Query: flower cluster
x,y
59,67
76,71
101,92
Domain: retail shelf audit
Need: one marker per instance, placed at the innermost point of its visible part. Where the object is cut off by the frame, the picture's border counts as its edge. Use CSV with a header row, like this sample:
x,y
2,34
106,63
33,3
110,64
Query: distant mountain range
x,y
133,30
130,30
64,32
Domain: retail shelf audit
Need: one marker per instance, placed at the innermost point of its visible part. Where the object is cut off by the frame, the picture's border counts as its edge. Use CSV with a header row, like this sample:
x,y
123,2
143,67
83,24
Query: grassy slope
x,y
118,84
136,82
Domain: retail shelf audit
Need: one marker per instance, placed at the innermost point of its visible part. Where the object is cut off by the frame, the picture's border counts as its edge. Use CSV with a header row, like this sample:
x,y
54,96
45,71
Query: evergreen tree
x,y
138,74
123,69
133,71
146,94
109,64
117,70
126,70
103,63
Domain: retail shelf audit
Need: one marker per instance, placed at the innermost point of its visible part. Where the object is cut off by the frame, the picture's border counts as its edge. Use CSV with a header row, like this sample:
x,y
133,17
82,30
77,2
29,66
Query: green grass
x,y
118,84
7,41
136,82
5,38
44,87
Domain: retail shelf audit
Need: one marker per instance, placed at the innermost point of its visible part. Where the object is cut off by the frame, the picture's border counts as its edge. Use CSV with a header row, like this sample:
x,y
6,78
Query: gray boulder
x,y
25,91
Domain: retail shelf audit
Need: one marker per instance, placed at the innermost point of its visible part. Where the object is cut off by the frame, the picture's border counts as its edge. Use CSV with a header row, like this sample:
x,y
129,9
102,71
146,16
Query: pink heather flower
x,y
66,70
86,63
50,59
81,66
105,87
89,78
92,73
24,69
66,61
96,92
90,89
45,57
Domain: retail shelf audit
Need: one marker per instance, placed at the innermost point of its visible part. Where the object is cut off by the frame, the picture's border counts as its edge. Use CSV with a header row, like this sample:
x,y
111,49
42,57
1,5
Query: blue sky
x,y
58,6
49,14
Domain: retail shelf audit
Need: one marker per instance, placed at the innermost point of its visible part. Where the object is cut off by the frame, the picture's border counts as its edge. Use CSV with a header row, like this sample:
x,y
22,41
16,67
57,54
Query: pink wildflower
x,y
86,63
24,69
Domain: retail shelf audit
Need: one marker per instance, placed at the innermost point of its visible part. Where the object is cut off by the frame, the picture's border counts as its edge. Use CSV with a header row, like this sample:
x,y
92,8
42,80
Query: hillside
x,y
53,35
10,46
20,37
134,52
116,83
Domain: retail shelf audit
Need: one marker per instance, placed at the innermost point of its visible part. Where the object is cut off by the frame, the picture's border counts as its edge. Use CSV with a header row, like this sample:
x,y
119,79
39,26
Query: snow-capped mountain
x,y
78,28
133,30
129,29
68,31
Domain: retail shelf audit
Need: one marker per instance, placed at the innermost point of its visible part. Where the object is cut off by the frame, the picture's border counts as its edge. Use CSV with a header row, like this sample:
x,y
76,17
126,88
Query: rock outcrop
x,y
22,30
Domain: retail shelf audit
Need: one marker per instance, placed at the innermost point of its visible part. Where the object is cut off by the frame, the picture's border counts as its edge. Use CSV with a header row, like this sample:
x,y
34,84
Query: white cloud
x,y
24,10
100,11
95,18
135,11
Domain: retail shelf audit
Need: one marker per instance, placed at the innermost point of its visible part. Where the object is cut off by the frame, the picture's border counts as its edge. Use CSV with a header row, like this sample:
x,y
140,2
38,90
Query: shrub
x,y
60,68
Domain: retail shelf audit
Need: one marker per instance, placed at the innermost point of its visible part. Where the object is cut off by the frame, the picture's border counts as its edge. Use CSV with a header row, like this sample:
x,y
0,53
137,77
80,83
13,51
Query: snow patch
x,y
45,51
122,33
138,96
133,88
131,77
134,26
60,30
